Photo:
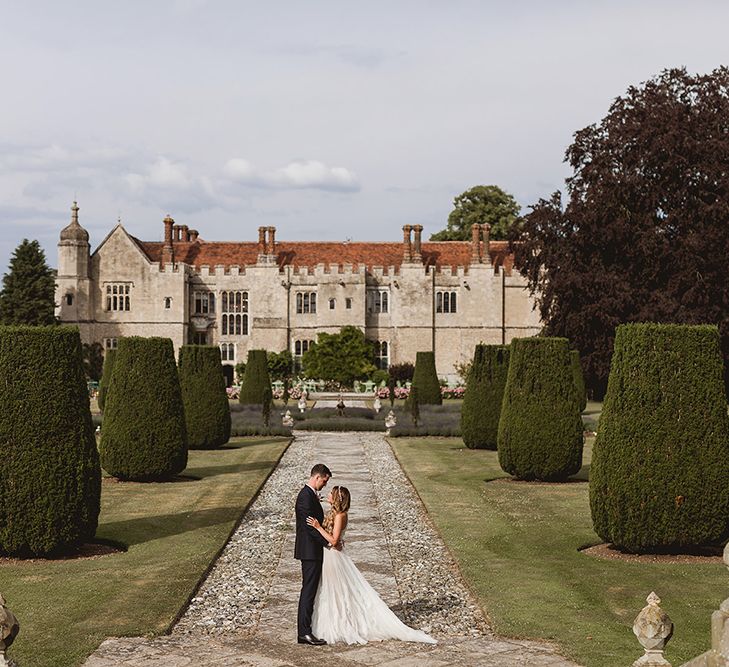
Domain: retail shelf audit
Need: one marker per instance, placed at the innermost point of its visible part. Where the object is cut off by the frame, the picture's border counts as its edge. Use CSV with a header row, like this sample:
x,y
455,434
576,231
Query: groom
x,y
309,549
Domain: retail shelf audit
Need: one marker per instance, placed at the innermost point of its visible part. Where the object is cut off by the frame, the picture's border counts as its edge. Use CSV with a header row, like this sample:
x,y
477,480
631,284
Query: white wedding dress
x,y
347,609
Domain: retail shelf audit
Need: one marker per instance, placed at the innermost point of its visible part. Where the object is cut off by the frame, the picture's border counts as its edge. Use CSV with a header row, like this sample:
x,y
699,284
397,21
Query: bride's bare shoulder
x,y
342,518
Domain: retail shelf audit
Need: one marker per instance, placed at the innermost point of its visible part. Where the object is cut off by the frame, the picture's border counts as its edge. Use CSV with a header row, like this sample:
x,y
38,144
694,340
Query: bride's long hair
x,y
340,503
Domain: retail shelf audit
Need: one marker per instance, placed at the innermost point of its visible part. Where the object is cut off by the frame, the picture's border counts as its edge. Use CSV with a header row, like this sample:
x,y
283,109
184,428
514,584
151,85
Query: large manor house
x,y
276,295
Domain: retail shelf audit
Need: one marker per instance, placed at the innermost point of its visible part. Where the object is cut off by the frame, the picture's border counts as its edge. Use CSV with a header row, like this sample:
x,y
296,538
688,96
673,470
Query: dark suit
x,y
309,549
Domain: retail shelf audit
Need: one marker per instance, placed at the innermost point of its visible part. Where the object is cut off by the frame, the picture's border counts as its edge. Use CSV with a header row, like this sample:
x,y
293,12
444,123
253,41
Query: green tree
x,y
414,405
266,405
482,204
255,379
105,378
642,235
207,411
579,379
93,355
425,379
50,478
28,290
143,437
540,430
660,463
280,365
485,385
342,357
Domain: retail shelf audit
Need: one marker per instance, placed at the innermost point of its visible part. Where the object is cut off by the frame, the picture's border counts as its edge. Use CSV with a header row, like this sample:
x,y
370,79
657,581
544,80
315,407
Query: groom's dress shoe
x,y
313,641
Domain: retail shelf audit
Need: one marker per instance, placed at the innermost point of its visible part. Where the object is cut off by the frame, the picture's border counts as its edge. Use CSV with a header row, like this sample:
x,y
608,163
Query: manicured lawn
x,y
517,544
172,530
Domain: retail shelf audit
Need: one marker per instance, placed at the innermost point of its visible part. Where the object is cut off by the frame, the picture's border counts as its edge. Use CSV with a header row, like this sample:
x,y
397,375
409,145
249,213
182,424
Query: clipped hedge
x,y
50,478
579,377
207,411
109,357
540,430
660,462
256,378
484,394
143,437
425,379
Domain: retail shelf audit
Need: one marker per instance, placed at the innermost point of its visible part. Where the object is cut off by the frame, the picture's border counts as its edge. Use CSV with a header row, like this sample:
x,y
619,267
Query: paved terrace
x,y
245,612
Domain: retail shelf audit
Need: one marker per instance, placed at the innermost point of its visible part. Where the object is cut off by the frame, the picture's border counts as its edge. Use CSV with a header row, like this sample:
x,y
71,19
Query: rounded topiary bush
x,y
426,379
579,377
255,379
481,407
660,463
109,357
143,437
540,430
207,412
50,479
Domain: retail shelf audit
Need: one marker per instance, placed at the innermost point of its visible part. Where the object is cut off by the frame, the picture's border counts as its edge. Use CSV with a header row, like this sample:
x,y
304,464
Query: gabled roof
x,y
311,253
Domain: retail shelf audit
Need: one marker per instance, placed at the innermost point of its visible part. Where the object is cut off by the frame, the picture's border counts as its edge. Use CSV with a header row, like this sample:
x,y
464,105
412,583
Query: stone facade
x,y
274,295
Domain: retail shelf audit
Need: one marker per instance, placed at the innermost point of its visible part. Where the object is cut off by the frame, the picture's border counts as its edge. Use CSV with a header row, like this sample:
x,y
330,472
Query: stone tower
x,y
72,282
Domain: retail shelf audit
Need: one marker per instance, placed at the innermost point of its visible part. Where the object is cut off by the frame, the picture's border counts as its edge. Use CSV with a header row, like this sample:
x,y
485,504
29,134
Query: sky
x,y
328,120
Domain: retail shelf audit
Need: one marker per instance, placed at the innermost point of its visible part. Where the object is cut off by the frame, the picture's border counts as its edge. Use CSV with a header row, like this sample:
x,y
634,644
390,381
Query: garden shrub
x,y
426,379
579,379
484,393
255,379
143,437
266,403
105,377
205,400
660,462
402,373
540,430
50,478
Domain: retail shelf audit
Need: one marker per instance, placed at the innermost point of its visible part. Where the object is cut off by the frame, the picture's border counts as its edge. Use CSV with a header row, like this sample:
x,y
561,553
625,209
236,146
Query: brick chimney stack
x,y
168,252
417,254
271,246
475,244
407,249
261,240
194,234
486,229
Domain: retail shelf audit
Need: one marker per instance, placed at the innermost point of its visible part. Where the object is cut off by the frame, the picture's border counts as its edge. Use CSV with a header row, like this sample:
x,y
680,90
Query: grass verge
x,y
172,531
517,545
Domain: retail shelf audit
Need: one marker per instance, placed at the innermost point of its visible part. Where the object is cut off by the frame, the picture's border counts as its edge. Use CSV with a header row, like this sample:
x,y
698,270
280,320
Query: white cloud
x,y
299,174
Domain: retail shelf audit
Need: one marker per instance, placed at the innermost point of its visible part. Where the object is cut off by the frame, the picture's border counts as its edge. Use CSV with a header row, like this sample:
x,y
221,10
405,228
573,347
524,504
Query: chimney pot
x,y
407,249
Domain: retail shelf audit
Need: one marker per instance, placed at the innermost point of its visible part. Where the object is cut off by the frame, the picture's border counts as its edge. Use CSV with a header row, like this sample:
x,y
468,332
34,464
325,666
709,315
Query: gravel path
x,y
245,611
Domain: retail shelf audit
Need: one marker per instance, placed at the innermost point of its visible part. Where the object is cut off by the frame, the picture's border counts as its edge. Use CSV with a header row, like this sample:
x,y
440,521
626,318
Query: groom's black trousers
x,y
310,576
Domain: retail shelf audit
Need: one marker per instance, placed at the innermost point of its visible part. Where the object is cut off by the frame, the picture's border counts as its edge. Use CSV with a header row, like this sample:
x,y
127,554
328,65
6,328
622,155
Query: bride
x,y
347,609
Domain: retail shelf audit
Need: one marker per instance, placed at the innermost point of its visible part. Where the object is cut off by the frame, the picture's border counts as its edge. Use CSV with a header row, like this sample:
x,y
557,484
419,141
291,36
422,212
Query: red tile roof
x,y
311,253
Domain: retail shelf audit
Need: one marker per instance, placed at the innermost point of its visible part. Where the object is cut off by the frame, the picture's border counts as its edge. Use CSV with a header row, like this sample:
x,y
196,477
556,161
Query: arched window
x,y
445,302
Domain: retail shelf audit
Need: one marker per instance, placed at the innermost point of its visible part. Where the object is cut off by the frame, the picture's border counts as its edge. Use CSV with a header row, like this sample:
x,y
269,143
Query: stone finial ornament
x,y
377,405
653,628
302,403
390,421
9,628
287,419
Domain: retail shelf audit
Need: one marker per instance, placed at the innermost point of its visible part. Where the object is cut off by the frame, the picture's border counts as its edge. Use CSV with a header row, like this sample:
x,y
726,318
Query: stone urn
x,y
653,628
287,419
377,405
9,628
390,422
302,403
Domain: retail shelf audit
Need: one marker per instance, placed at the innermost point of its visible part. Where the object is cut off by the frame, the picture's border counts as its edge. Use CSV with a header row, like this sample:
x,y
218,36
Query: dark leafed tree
x,y
482,204
644,232
93,355
28,290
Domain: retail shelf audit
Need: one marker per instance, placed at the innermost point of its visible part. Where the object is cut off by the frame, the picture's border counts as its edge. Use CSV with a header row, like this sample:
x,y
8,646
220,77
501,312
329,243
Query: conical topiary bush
x,y
143,437
207,412
256,378
540,430
579,379
425,379
109,357
660,463
481,407
50,479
